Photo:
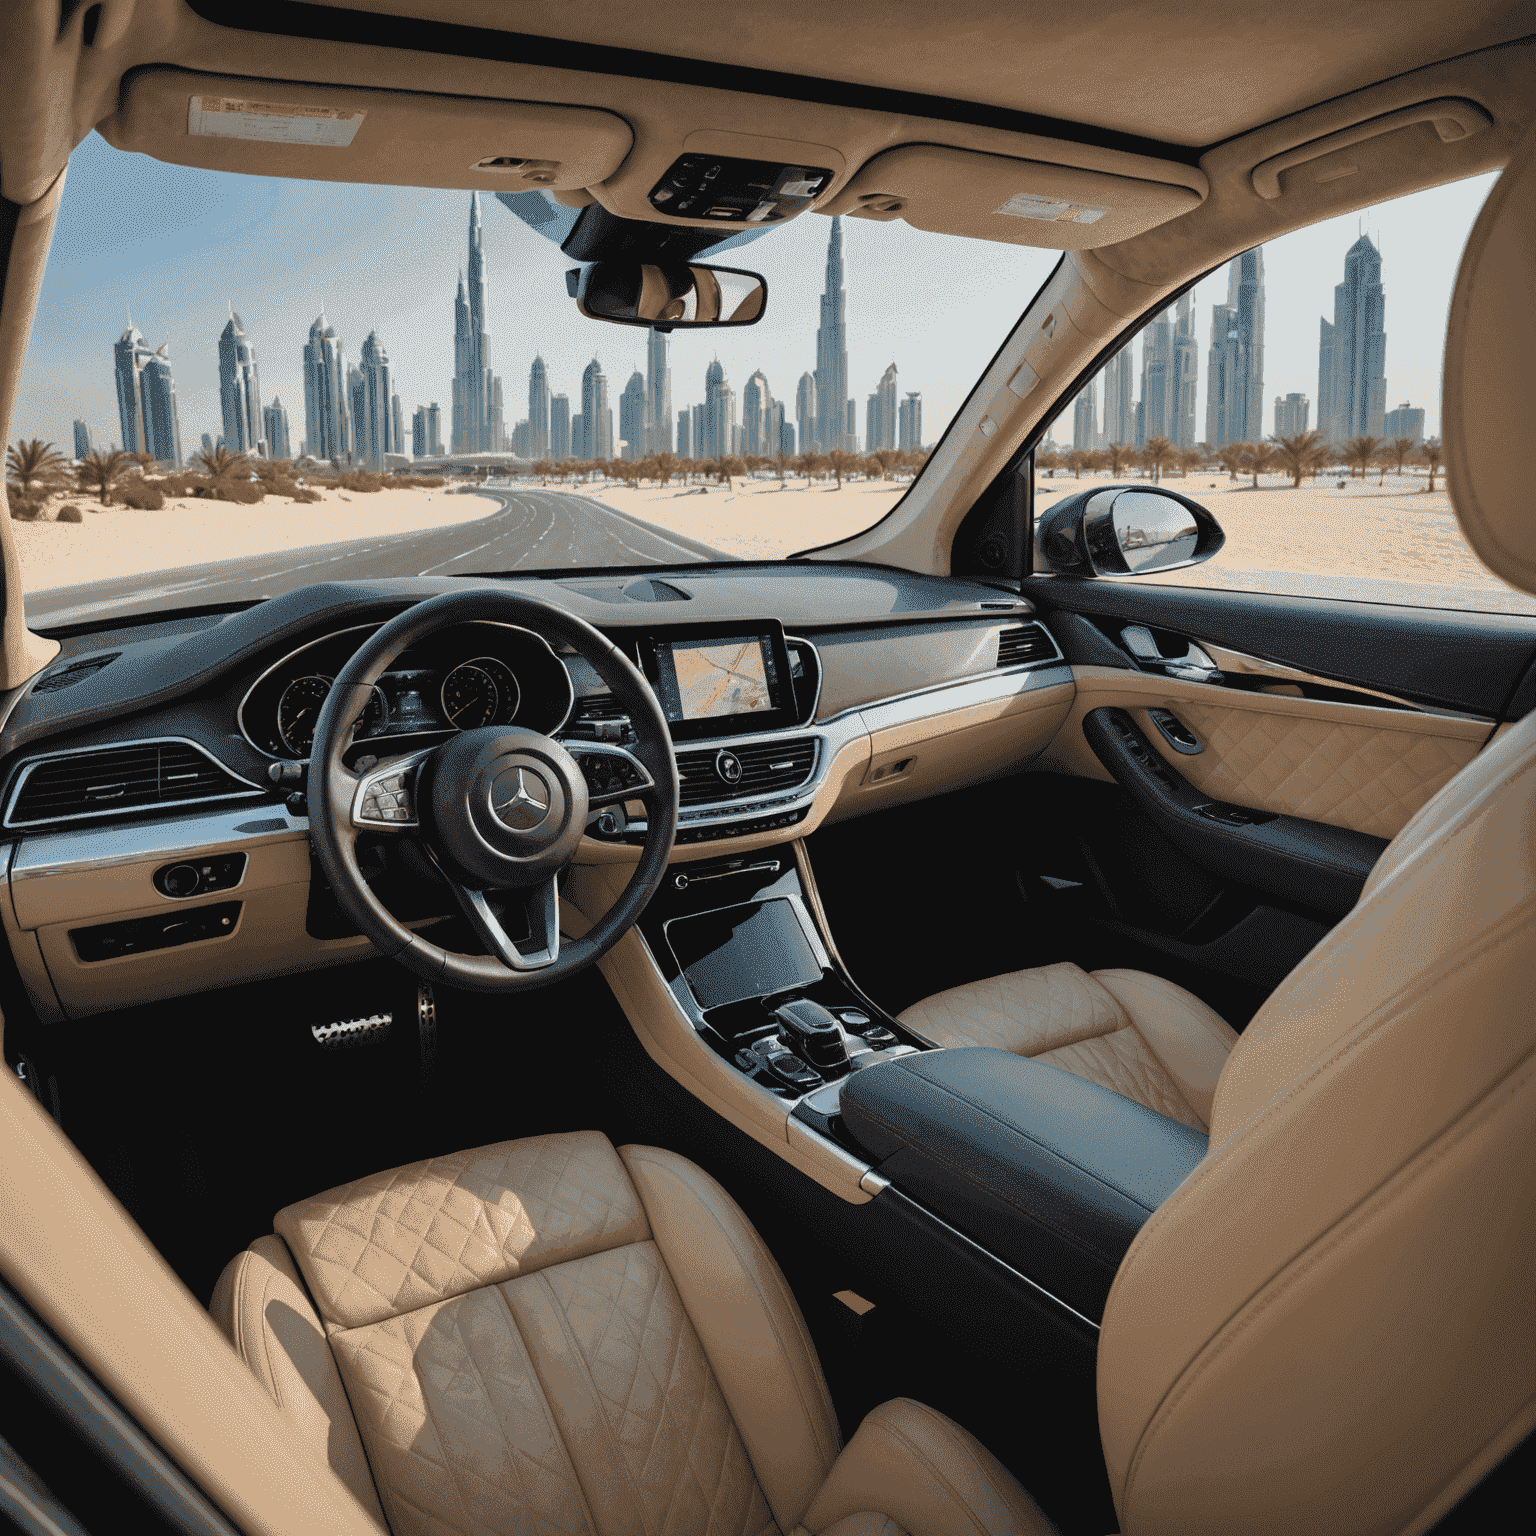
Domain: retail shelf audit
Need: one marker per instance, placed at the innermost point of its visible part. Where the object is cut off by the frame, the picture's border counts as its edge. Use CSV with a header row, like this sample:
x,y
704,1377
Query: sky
x,y
177,247
1420,239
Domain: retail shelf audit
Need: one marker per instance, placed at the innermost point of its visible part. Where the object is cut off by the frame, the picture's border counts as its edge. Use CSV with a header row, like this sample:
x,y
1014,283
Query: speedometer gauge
x,y
299,708
479,692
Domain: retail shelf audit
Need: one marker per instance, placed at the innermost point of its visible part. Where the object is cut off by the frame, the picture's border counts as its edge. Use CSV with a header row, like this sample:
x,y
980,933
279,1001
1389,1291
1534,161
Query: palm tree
x,y
1302,454
1119,455
221,464
1049,461
1190,458
1158,454
31,461
1077,461
1401,448
1230,457
1430,453
1257,457
1358,453
842,464
101,471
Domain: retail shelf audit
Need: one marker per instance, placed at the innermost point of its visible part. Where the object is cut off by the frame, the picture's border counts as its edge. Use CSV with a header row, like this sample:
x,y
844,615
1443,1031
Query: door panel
x,y
1462,661
1356,766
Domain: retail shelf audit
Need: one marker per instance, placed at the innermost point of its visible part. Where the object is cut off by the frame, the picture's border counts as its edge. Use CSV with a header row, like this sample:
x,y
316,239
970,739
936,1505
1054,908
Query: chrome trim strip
x,y
821,672
31,764
170,841
1240,662
907,708
353,629
388,768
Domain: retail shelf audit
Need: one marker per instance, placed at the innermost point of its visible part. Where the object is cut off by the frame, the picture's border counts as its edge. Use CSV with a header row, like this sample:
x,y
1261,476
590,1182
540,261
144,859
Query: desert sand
x,y
120,541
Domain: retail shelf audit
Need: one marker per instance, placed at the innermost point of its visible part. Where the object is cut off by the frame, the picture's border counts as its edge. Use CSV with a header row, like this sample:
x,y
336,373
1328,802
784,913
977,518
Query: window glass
x,y
310,372
1295,393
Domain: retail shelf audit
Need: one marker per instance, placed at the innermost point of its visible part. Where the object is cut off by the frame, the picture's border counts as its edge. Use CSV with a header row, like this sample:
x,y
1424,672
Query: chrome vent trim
x,y
767,768
161,773
1022,644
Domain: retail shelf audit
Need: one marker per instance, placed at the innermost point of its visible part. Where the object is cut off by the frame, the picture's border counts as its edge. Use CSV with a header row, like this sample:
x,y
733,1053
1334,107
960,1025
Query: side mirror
x,y
1125,530
641,293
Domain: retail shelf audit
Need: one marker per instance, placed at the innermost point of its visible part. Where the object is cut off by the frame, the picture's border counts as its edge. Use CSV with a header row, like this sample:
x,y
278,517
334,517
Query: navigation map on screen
x,y
730,678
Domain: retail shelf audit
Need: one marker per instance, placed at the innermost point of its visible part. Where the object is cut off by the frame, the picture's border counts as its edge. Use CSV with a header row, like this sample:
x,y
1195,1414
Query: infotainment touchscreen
x,y
719,682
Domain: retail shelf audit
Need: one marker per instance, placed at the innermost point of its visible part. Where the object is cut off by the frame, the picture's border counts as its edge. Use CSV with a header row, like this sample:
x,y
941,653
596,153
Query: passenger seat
x,y
1128,1031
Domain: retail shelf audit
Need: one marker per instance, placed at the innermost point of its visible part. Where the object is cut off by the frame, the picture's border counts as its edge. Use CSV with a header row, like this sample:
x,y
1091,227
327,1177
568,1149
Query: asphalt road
x,y
528,530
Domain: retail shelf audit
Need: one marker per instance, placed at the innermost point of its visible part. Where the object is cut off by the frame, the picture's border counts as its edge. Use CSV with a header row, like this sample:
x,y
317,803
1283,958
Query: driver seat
x,y
549,1335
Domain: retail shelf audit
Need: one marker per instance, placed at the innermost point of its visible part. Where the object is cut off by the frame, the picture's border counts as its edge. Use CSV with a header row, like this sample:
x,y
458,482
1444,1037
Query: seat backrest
x,y
588,1339
1329,1327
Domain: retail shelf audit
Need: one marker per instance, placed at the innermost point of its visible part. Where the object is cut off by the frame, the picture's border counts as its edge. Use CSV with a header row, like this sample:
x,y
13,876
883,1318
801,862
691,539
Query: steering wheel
x,y
497,810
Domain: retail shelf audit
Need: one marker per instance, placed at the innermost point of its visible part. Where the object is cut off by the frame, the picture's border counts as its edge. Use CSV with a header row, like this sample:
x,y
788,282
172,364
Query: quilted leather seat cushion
x,y
1129,1031
551,1336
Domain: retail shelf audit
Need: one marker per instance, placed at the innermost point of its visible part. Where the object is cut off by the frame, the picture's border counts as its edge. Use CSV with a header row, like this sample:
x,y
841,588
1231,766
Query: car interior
x,y
1063,1063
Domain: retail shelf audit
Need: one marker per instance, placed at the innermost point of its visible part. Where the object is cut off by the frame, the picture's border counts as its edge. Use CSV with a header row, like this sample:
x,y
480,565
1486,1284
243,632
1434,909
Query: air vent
x,y
1023,643
110,780
767,768
599,706
75,672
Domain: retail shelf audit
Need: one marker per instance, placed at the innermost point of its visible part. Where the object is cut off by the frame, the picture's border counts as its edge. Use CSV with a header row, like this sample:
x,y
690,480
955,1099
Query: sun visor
x,y
1018,202
347,133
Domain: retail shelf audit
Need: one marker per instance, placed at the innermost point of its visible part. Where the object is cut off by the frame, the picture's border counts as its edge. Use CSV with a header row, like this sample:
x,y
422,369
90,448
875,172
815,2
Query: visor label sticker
x,y
268,122
1051,210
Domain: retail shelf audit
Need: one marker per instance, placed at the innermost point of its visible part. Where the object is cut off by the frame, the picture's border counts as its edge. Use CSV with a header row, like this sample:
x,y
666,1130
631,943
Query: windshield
x,y
239,385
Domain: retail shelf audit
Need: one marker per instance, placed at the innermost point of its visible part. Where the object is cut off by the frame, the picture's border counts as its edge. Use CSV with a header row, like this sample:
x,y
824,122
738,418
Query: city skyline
x,y
389,258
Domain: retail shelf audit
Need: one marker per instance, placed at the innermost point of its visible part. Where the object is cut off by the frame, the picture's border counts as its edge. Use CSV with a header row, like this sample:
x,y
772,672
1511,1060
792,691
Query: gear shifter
x,y
814,1033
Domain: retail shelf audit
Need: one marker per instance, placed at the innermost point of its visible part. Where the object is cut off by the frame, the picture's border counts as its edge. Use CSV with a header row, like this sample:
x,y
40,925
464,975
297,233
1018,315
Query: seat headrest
x,y
1490,377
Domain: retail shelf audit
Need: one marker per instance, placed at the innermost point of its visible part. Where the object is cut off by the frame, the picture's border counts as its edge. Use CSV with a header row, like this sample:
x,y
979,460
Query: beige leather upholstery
x,y
1128,1031
548,1335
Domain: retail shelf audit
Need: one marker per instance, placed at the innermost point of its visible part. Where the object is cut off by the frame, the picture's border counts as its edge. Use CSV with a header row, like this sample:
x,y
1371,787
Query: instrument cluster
x,y
461,679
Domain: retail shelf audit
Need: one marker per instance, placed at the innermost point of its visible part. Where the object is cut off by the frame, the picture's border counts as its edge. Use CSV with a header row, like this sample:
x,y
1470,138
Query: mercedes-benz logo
x,y
728,766
520,799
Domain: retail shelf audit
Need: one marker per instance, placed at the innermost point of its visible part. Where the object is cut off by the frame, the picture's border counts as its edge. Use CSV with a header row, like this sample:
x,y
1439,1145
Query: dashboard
x,y
153,829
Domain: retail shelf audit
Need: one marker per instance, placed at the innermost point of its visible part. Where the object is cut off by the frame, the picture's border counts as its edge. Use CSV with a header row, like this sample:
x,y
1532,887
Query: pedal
x,y
373,1029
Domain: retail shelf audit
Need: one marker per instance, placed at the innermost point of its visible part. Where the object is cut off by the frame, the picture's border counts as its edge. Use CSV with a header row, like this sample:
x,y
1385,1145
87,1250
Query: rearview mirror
x,y
1125,530
640,293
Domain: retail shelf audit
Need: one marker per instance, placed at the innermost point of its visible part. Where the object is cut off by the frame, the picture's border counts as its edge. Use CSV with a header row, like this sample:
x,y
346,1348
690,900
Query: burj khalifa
x,y
472,428
833,427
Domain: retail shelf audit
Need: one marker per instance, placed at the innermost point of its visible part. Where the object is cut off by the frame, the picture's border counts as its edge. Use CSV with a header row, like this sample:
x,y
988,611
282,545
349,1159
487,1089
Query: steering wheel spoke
x,y
541,904
385,798
612,773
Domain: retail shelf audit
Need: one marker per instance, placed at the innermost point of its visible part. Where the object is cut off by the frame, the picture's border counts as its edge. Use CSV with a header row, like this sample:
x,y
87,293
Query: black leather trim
x,y
1052,1173
1315,866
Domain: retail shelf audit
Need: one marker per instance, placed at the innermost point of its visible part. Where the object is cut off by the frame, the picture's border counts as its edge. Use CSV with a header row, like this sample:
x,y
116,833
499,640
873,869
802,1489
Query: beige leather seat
x,y
551,1336
1128,1031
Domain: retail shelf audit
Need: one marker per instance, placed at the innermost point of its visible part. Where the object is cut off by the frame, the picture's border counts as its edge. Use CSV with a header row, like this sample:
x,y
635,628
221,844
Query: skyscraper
x,y
538,410
559,428
1185,374
419,432
82,440
596,417
325,393
698,433
274,420
1406,421
239,390
805,413
685,433
1157,395
658,392
1352,352
472,427
832,402
756,408
1085,416
719,422
911,438
496,414
396,426
1234,386
880,414
1291,415
146,398
435,430
373,425
1119,398
357,411
632,414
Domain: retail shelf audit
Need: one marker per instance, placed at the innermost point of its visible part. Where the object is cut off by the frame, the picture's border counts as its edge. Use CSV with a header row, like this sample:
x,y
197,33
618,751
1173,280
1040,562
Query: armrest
x,y
1048,1171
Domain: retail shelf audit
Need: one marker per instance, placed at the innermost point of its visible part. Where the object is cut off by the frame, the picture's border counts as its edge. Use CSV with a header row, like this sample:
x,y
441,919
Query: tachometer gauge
x,y
299,708
297,711
479,692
